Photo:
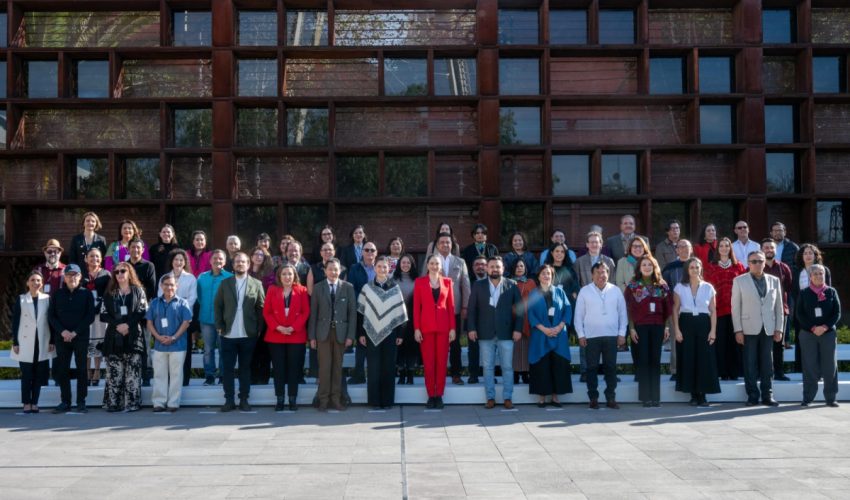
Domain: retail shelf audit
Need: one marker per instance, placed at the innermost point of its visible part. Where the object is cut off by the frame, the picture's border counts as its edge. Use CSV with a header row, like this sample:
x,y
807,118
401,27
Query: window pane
x,y
666,75
192,29
715,75
715,123
86,29
304,222
356,176
141,177
619,174
4,35
831,222
253,220
190,178
570,175
781,168
306,27
91,179
722,214
525,217
779,74
257,27
2,79
405,77
401,26
165,78
406,175
518,27
42,79
616,26
187,219
256,127
519,76
777,26
519,125
92,79
307,127
258,77
827,74
665,211
779,126
192,128
455,77
568,27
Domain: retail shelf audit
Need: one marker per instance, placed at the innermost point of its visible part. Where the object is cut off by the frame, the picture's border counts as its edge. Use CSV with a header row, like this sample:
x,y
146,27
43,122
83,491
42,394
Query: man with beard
x,y
781,270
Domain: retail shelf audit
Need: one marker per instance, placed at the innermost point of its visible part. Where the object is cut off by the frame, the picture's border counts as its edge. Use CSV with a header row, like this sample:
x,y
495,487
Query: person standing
x,y
495,320
601,323
408,353
443,227
199,254
32,346
187,289
777,268
673,273
161,251
52,269
238,311
81,243
360,274
95,279
757,315
619,243
519,251
627,266
395,249
232,245
706,249
525,285
456,269
479,246
168,319
786,249
808,255
743,246
331,329
119,250
665,252
352,254
558,237
583,271
146,274
549,314
720,273
434,323
818,312
207,286
70,316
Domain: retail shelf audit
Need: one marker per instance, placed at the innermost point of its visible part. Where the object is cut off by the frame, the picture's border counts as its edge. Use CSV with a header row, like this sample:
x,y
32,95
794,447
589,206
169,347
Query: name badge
x,y
818,312
163,322
493,301
652,307
47,288
551,311
123,310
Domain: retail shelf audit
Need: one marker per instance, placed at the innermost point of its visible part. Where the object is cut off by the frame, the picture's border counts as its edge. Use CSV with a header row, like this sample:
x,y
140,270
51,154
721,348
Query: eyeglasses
x,y
369,250
120,271
51,252
756,262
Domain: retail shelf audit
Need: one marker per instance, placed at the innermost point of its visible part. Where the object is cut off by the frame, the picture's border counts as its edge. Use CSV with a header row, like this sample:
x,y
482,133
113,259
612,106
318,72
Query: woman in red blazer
x,y
286,311
434,327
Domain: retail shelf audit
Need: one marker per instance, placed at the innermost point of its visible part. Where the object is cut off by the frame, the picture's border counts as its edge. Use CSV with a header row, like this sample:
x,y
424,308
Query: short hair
x,y
599,263
445,235
382,258
670,223
754,252
263,236
280,269
778,223
174,253
240,252
136,241
235,238
478,227
97,225
767,240
628,216
497,258
480,257
557,231
93,249
167,277
219,250
333,260
542,268
591,234
355,228
817,267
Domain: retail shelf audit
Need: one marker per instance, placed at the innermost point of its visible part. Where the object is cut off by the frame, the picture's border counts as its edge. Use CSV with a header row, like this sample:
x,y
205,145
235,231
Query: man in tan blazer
x,y
758,320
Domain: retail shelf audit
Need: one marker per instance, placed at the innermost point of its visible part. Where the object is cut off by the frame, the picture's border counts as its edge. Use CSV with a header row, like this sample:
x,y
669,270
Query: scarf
x,y
631,260
382,310
641,290
819,291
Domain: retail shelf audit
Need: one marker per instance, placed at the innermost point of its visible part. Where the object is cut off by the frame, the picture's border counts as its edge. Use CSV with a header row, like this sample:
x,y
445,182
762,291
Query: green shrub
x,y
843,334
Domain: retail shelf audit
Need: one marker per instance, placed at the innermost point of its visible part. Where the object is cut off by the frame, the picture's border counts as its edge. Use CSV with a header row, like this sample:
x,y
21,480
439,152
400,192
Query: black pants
x,y
78,348
380,362
779,355
607,347
313,370
648,368
231,349
287,367
819,360
408,351
455,363
551,374
729,352
359,370
758,366
194,328
261,369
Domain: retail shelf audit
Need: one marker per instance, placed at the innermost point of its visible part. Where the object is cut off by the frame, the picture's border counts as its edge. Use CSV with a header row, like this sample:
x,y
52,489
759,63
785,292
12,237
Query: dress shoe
x,y
556,404
95,383
339,407
473,379
832,404
438,403
770,402
703,403
805,404
322,408
62,408
541,404
613,405
594,404
409,377
429,405
693,402
293,404
752,402
81,408
647,404
158,409
525,377
172,409
491,403
228,406
509,405
401,377
281,404
673,378
783,378
209,381
457,381
244,405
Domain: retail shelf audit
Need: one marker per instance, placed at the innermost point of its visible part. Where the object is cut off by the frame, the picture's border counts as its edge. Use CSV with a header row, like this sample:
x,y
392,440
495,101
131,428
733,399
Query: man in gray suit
x,y
332,327
455,268
619,243
757,315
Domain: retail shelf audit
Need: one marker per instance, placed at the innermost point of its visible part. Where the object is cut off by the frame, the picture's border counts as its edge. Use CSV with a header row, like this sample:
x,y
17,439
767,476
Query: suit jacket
x,y
347,256
470,253
459,274
616,245
583,267
430,316
789,253
252,306
495,323
274,312
751,313
77,248
26,325
343,310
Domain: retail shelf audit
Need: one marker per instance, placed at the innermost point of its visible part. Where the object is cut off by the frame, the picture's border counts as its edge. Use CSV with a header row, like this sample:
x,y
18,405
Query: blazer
x,y
470,253
789,253
224,307
751,313
459,274
430,316
616,245
347,256
26,324
343,310
72,311
583,267
274,312
830,309
495,323
77,248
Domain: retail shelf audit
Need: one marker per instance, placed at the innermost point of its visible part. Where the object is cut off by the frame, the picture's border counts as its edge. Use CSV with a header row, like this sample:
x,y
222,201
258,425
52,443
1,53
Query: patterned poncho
x,y
382,310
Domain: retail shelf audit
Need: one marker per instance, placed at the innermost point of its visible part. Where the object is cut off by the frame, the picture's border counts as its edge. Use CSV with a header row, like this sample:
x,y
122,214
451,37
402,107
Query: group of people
x,y
263,311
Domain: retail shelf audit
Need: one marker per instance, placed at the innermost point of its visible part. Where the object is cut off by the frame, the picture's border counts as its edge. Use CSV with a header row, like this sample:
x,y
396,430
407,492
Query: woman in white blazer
x,y
31,345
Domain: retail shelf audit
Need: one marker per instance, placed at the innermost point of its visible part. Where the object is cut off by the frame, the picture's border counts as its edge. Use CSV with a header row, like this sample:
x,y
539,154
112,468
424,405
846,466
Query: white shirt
x,y
742,251
237,330
445,261
690,304
601,313
187,287
495,291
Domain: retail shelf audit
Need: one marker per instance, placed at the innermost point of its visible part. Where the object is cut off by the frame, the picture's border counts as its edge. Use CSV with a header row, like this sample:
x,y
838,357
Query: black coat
x,y
72,311
147,275
77,249
830,309
115,343
500,322
470,253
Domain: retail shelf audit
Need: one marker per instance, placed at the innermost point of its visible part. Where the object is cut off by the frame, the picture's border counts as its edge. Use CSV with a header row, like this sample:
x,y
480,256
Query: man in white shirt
x,y
743,246
601,322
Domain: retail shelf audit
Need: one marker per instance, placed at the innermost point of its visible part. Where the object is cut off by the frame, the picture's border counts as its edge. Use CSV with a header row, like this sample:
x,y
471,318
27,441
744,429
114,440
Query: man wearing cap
x,y
51,268
70,314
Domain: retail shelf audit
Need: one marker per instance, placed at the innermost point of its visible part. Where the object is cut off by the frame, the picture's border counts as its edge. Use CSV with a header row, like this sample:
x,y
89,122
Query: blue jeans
x,y
506,360
210,337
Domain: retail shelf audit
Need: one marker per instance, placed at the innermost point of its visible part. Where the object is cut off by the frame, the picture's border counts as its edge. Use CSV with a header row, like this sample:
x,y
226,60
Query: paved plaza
x,y
727,451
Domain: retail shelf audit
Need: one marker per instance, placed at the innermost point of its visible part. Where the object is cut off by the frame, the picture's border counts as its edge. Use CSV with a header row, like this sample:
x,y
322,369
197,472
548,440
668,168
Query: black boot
x,y
293,406
401,375
410,376
281,405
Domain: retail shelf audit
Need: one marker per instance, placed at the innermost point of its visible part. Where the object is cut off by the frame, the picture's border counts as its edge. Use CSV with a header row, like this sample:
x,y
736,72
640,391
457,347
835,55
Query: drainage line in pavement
x,y
403,454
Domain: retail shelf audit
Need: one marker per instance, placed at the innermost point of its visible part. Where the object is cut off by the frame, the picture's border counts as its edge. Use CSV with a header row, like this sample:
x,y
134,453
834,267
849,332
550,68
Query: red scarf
x,y
819,291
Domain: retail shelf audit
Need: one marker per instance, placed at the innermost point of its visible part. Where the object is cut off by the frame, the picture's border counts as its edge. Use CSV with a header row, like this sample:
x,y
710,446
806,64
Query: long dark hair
x,y
799,258
192,243
550,257
716,258
413,271
656,278
132,277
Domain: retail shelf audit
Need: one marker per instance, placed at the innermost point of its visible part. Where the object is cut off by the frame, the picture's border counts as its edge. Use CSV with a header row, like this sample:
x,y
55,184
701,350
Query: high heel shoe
x,y
401,376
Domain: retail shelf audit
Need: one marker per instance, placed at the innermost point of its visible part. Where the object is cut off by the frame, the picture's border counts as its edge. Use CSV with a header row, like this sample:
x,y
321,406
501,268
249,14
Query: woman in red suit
x,y
286,311
434,327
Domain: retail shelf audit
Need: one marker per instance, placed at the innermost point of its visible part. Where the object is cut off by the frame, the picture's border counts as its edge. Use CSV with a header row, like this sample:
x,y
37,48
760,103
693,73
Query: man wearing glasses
x,y
758,320
51,268
743,246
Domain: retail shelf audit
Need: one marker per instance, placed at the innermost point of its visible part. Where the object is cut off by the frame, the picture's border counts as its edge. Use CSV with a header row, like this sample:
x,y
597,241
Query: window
x,y
666,75
306,28
616,27
567,27
252,220
831,222
778,26
779,124
827,74
42,79
715,75
779,74
4,36
405,77
306,127
722,214
304,222
527,217
192,29
257,27
519,76
91,79
570,175
715,124
90,179
619,174
141,178
665,211
256,127
781,172
192,128
406,175
519,125
190,178
257,77
356,176
518,27
187,219
455,76
2,79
